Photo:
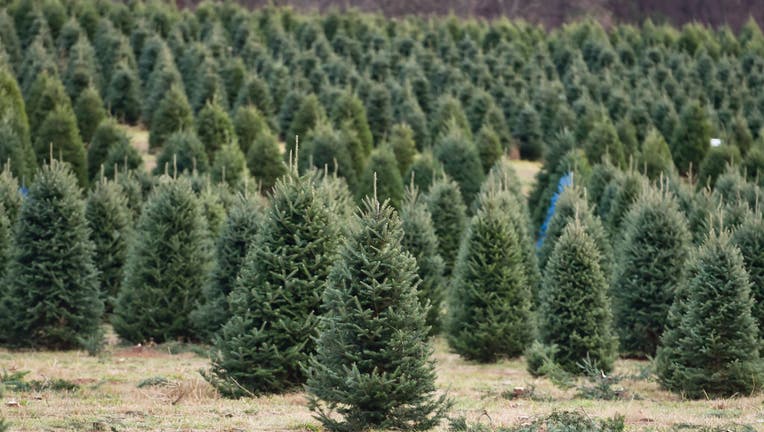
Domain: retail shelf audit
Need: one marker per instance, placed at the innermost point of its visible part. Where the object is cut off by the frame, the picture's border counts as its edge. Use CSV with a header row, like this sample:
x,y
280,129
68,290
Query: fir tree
x,y
372,367
275,304
52,259
382,168
122,158
308,115
461,161
402,142
349,108
527,130
490,300
59,135
716,162
424,170
123,95
449,215
107,135
448,115
379,111
749,238
90,112
655,246
236,238
711,345
182,152
110,226
420,240
172,115
166,266
655,157
326,147
265,161
230,166
13,114
488,146
249,124
690,141
575,313
603,140
10,194
214,128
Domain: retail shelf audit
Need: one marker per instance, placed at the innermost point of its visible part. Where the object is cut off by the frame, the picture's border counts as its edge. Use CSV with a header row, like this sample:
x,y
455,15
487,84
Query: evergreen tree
x,y
379,111
490,300
655,246
402,142
82,69
372,367
449,216
10,194
214,128
382,168
691,138
107,135
110,225
13,114
603,140
420,240
575,313
349,108
12,150
328,148
424,170
488,146
265,161
655,157
236,238
715,164
307,116
52,259
255,93
59,135
460,159
89,110
172,115
527,131
167,264
122,158
182,152
230,166
275,303
448,115
749,238
123,95
45,96
626,192
249,124
711,346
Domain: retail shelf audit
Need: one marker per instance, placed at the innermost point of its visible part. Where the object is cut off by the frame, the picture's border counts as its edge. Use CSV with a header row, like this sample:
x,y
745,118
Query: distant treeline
x,y
551,13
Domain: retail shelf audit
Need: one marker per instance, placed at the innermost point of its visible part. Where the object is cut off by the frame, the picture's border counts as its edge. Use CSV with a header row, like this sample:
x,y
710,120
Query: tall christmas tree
x,y
52,298
372,367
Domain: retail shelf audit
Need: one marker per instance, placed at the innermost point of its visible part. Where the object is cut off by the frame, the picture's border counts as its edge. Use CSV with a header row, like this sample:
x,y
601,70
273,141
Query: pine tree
x,y
214,128
236,238
460,159
420,240
52,259
575,310
59,135
265,161
182,152
167,264
691,138
89,110
372,367
655,246
275,304
449,215
749,238
110,228
173,114
655,157
490,300
123,95
382,168
712,347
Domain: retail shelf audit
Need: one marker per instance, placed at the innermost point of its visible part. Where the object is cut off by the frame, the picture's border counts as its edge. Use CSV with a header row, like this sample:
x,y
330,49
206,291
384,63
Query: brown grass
x,y
109,397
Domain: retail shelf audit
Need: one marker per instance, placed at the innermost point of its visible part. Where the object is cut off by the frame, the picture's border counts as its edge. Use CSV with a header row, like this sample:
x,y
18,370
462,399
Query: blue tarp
x,y
564,182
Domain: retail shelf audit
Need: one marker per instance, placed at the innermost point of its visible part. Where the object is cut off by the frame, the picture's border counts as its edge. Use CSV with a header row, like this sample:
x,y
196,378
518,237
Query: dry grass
x,y
109,397
526,171
139,138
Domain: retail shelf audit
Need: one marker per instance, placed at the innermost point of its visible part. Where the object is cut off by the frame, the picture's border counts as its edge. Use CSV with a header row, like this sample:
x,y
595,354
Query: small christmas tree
x,y
173,114
490,300
265,161
383,169
107,135
214,128
52,259
420,240
166,267
460,159
711,346
691,138
749,238
449,216
59,135
575,310
90,112
372,366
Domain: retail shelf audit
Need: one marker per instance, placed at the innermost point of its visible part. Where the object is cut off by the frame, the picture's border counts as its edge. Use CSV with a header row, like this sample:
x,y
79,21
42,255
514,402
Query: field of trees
x,y
224,219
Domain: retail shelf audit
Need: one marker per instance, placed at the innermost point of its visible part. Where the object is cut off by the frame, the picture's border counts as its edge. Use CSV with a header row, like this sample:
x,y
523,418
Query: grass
x,y
137,388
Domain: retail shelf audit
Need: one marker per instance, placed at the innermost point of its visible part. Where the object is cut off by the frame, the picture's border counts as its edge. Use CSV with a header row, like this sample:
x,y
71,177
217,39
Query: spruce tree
x,y
90,113
488,146
372,367
460,159
307,116
123,95
326,147
249,124
10,194
214,128
171,115
402,142
711,346
59,135
749,238
449,216
349,108
110,225
490,300
603,140
379,111
715,164
420,240
690,141
275,303
52,259
13,114
575,310
382,168
236,238
265,162
230,166
424,170
527,130
106,136
655,246
167,264
182,152
655,157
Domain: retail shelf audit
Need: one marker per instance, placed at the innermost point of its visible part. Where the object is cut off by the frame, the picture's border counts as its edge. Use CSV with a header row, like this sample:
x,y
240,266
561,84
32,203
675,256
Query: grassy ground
x,y
109,398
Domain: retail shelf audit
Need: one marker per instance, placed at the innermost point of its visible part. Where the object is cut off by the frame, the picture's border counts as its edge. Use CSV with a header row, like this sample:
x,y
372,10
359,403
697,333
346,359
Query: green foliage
x,y
603,141
655,157
461,161
710,347
402,142
52,258
716,162
214,128
167,264
122,157
527,131
749,238
379,111
106,136
230,166
489,147
382,168
236,238
110,225
173,114
349,108
182,152
249,124
558,421
424,169
307,116
420,240
265,162
490,300
13,115
449,215
654,248
10,195
575,310
275,303
90,113
123,95
328,148
58,136
372,367
691,138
